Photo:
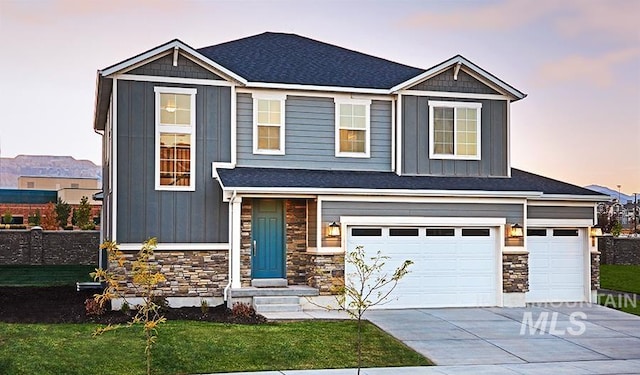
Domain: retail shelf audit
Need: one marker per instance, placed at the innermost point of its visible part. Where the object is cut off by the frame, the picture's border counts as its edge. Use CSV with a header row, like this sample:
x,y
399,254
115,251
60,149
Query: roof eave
x,y
514,93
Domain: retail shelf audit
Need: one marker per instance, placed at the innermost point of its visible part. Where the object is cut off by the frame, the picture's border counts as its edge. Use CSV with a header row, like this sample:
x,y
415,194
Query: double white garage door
x,y
460,267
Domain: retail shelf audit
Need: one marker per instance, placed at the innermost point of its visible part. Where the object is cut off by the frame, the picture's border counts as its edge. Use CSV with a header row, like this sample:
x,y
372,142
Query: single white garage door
x,y
556,265
452,266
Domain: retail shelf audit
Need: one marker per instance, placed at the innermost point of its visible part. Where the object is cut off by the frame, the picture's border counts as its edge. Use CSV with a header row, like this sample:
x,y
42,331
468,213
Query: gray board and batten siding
x,y
445,82
163,67
199,216
310,136
331,211
560,212
415,133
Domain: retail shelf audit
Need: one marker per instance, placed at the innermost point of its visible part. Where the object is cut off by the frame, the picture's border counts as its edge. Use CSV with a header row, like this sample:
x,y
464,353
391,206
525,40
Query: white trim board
x,y
178,246
559,223
433,221
163,79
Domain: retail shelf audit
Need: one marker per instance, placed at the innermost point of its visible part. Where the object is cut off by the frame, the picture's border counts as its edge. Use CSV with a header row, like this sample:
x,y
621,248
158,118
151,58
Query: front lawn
x,y
44,275
620,277
196,347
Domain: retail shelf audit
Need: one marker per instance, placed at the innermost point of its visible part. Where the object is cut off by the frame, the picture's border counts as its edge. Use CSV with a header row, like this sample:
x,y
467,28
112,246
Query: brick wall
x,y
26,209
619,250
38,247
515,273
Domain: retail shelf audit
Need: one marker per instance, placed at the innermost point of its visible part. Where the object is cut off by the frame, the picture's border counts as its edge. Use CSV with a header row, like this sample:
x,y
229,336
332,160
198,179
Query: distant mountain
x,y
624,199
45,166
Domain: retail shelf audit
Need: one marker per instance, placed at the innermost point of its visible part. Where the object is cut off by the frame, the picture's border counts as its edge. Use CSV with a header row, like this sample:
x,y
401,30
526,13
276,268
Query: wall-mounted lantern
x,y
516,231
333,230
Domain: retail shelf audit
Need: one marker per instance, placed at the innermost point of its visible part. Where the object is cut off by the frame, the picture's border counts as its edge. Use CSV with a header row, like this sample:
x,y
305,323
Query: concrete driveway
x,y
561,338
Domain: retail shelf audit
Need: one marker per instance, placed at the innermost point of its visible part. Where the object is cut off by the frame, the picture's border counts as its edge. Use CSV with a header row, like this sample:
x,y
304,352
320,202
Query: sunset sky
x,y
578,61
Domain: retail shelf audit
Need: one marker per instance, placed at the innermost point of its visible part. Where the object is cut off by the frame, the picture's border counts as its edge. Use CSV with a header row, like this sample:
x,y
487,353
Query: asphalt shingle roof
x,y
293,59
245,177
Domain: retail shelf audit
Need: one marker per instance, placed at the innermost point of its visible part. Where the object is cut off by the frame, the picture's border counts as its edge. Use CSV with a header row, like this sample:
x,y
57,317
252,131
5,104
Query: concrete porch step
x,y
269,283
277,304
283,300
291,290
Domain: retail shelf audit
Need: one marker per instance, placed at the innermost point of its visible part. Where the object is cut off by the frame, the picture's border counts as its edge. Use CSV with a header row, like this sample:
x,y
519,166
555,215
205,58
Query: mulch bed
x,y
63,304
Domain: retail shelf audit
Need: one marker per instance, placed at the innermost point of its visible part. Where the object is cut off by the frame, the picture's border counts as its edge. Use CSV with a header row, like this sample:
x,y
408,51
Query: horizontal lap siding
x,y
559,212
310,136
331,211
197,217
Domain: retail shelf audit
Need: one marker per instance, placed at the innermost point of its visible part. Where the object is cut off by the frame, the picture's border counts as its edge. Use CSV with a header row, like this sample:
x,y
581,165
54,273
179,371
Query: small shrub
x,y
242,309
204,306
35,218
160,301
93,307
62,210
7,218
125,309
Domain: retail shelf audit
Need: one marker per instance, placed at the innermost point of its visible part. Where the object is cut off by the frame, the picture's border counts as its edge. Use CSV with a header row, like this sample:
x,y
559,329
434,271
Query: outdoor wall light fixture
x,y
516,231
595,232
333,230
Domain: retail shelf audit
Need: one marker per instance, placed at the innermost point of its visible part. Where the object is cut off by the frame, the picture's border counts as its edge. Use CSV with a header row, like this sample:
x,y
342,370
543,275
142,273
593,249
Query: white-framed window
x,y
268,124
353,128
454,130
175,162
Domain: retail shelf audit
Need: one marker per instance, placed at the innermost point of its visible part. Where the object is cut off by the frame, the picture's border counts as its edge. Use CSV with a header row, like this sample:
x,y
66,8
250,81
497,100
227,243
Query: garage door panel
x,y
556,268
447,270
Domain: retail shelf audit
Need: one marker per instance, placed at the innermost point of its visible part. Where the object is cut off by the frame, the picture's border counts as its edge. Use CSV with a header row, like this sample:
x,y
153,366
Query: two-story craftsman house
x,y
259,162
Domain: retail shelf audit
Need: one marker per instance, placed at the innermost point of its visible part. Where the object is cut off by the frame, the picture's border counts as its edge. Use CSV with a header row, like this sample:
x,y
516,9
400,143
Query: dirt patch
x,y
63,304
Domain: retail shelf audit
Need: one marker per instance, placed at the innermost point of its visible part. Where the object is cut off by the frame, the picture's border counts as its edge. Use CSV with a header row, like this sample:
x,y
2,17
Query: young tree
x,y
367,286
49,221
62,209
83,215
144,280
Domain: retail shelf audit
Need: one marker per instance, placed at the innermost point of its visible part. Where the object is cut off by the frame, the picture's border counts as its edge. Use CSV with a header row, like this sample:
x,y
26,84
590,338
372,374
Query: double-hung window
x,y
175,138
268,124
454,130
353,128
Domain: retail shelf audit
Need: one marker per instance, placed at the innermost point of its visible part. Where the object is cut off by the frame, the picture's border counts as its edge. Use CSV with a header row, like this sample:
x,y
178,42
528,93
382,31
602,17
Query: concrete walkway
x,y
541,339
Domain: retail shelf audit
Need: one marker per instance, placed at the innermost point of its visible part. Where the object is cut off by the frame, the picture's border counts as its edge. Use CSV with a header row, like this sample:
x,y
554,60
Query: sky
x,y
578,61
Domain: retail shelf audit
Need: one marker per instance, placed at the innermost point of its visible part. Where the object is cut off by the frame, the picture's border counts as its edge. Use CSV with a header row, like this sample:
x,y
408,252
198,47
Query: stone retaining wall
x,y
595,271
38,247
619,250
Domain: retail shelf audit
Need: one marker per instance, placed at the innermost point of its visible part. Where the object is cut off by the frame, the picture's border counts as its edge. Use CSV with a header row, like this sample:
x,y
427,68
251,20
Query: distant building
x,y
70,190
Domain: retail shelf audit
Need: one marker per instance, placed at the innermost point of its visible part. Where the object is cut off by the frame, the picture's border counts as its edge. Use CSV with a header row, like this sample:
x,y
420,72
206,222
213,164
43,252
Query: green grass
x,y
620,277
44,275
196,347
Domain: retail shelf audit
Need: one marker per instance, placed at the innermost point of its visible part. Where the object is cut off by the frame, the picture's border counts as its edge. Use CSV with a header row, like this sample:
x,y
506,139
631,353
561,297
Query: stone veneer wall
x,y
515,273
38,247
188,273
326,272
245,242
619,250
296,241
595,271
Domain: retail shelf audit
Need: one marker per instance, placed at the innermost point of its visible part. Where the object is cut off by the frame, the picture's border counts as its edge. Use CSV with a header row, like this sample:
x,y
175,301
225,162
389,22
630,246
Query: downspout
x,y
228,286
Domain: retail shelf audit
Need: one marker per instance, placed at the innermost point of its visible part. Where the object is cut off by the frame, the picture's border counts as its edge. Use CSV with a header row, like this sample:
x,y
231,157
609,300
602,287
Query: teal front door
x,y
267,252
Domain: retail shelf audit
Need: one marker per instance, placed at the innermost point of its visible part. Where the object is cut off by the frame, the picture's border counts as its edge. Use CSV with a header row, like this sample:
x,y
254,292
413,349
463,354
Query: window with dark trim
x,y
441,232
366,232
475,232
403,232
565,233
536,232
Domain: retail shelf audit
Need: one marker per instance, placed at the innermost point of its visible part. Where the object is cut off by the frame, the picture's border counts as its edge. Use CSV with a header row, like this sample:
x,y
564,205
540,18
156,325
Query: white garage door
x,y
556,265
452,266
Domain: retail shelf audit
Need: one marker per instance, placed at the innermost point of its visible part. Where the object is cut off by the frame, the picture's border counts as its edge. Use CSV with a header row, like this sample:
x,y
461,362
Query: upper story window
x,y
268,124
353,128
454,130
175,138
30,185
